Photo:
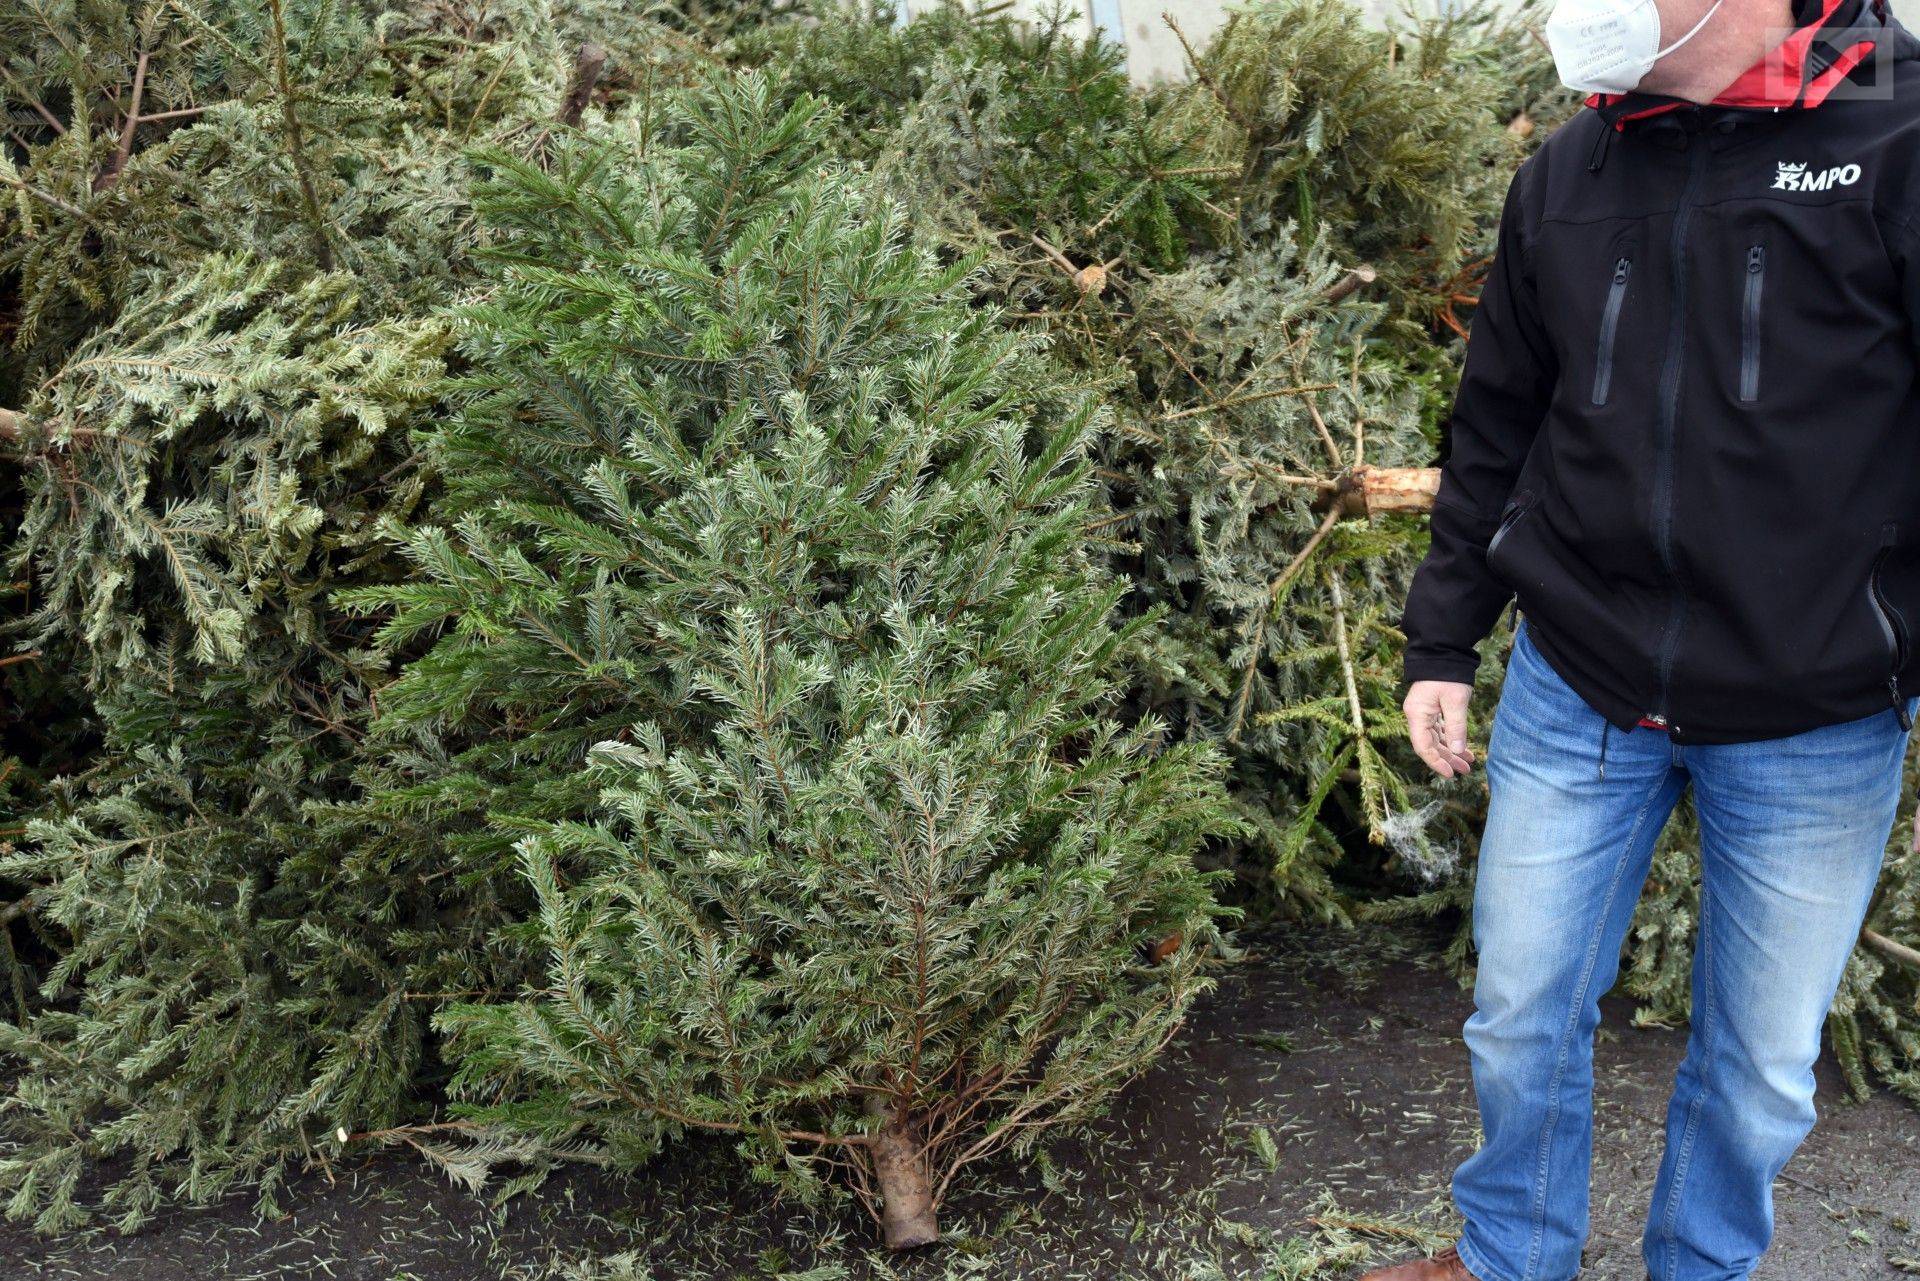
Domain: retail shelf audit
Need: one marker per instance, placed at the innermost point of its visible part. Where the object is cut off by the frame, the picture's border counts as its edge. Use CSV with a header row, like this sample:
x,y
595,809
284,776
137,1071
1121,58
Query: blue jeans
x,y
1792,831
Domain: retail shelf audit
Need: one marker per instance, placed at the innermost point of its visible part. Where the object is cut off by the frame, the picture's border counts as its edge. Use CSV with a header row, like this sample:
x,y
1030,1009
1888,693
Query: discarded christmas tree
x,y
227,230
872,884
1323,183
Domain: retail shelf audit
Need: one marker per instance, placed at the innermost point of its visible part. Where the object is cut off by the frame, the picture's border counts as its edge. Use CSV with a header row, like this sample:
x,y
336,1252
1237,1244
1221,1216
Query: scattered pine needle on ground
x,y
1341,1047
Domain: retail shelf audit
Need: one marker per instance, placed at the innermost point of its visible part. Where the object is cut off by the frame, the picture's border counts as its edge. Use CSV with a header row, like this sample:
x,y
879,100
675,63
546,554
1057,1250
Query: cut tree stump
x,y
1369,491
1354,280
900,1169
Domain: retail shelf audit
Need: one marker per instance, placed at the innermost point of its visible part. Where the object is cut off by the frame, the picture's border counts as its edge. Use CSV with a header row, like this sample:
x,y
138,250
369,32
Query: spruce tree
x,y
748,486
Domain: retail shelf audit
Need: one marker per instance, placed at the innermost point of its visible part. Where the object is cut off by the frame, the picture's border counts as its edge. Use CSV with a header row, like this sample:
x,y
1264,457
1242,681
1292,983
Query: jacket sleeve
x,y
1504,390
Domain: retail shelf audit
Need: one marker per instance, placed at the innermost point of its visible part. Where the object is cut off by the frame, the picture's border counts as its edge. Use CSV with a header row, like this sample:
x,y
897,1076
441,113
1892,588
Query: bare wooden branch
x,y
14,424
1344,648
1245,399
43,197
178,113
296,140
1200,73
1368,1227
1301,557
1890,949
124,152
1326,436
39,107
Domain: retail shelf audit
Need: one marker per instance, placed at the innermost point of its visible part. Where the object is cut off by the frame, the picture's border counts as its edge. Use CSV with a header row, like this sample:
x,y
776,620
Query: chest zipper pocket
x,y
1609,330
1750,323
1893,625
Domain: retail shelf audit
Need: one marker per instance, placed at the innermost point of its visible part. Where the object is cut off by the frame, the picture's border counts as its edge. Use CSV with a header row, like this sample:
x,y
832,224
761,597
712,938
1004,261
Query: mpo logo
x,y
1796,178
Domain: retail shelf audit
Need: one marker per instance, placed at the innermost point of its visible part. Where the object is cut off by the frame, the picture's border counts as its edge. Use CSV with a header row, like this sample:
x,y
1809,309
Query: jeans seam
x,y
1683,1159
1476,1263
1537,1240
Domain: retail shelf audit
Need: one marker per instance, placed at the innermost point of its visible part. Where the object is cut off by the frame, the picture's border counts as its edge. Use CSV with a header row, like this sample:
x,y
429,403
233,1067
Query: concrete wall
x,y
1154,53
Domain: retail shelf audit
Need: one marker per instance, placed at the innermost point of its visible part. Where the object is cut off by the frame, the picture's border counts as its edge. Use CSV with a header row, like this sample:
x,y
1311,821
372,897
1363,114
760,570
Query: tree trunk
x,y
906,1193
1369,491
587,68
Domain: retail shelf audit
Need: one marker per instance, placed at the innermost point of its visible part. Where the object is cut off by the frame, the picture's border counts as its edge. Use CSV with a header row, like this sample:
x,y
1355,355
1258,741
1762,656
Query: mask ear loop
x,y
1691,34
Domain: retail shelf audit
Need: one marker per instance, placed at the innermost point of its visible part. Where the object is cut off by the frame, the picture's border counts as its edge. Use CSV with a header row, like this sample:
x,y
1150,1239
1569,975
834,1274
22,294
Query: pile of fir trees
x,y
580,576
1262,271
229,231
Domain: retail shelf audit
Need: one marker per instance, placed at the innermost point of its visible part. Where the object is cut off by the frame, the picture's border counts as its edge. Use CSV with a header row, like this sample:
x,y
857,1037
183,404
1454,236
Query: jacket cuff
x,y
1459,668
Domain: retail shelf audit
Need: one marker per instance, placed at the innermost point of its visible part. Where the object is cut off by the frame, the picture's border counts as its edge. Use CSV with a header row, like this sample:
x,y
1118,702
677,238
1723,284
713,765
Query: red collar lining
x,y
1778,80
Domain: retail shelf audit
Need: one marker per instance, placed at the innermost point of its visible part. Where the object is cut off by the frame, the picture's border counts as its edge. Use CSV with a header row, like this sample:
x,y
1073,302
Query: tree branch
x,y
1891,950
124,151
296,141
44,197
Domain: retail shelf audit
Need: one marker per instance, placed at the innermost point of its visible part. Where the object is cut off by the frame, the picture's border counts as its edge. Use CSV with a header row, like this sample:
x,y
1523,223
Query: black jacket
x,y
1687,435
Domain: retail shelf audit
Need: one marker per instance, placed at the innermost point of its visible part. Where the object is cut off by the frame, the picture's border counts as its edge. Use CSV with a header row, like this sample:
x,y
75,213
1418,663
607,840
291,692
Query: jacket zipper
x,y
1511,517
1750,324
1517,507
1893,626
1609,327
1665,426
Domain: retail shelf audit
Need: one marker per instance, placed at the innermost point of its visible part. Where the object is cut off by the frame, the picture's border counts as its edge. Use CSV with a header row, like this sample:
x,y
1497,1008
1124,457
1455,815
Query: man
x,y
1687,444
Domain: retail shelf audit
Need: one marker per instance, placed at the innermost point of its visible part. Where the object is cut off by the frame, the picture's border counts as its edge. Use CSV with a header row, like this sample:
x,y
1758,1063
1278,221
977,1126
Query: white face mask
x,y
1608,46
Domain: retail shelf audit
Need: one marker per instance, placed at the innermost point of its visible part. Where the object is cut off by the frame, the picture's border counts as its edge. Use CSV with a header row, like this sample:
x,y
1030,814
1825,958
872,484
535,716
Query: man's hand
x,y
1437,723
